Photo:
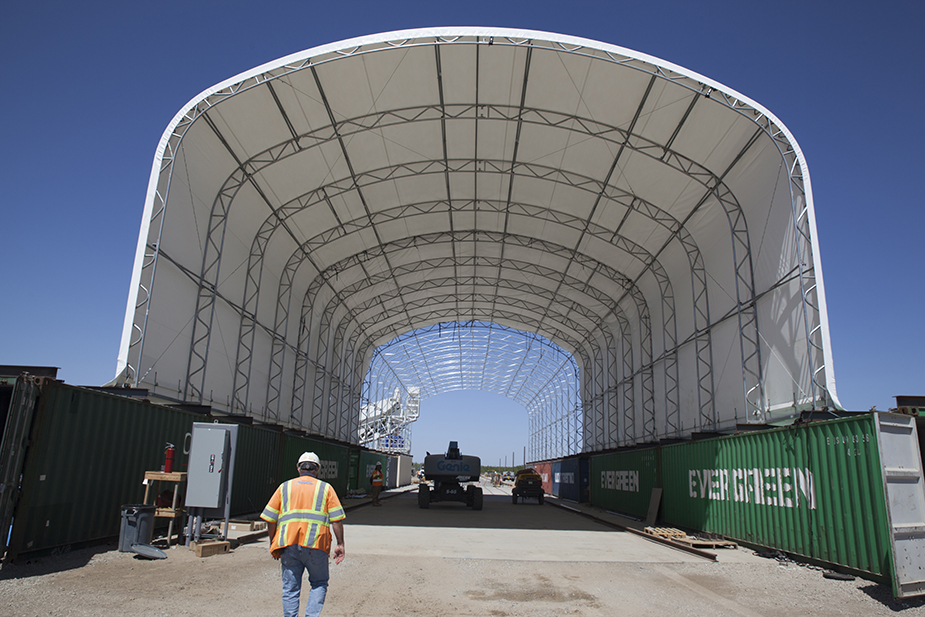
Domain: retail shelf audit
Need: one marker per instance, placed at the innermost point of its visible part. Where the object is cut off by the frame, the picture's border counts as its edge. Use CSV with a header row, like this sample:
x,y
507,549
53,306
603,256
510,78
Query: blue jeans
x,y
294,560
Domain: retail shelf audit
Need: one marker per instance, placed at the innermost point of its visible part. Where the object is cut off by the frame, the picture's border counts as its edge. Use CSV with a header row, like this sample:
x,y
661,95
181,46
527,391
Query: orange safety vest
x,y
377,478
303,509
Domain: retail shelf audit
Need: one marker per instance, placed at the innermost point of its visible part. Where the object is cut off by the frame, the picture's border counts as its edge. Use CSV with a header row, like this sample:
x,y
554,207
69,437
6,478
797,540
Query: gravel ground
x,y
449,561
105,583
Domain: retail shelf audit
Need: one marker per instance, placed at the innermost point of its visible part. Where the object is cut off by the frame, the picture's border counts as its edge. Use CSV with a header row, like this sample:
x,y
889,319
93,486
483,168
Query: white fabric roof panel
x,y
301,103
260,130
663,112
548,184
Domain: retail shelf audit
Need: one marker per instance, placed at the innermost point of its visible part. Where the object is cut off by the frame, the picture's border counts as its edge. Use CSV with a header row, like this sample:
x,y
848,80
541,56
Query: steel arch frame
x,y
746,301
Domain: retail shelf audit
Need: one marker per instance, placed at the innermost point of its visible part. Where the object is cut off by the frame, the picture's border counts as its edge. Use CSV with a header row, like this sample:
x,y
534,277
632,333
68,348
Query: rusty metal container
x,y
545,470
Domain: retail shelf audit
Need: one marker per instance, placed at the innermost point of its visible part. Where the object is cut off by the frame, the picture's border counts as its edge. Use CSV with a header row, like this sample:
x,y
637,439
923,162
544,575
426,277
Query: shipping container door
x,y
568,480
584,480
15,435
391,476
901,462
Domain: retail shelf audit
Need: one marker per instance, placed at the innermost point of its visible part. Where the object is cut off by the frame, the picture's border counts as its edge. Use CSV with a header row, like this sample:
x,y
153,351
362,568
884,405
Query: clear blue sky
x,y
88,88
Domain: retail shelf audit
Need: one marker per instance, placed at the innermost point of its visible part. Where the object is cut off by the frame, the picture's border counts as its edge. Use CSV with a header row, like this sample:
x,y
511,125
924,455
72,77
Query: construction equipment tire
x,y
477,499
423,496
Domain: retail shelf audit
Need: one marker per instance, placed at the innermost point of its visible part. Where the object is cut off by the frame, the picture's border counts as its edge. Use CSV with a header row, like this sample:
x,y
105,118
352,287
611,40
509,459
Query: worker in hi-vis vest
x,y
300,517
376,481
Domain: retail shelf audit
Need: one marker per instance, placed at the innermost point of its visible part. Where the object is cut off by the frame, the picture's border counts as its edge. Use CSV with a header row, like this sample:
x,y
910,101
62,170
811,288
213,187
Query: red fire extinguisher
x,y
168,458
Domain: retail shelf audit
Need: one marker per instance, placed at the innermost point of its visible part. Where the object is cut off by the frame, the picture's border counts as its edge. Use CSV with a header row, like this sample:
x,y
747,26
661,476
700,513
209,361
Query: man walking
x,y
300,517
376,481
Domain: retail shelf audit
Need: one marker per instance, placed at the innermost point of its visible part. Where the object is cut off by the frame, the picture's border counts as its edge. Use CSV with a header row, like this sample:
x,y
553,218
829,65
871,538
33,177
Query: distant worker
x,y
303,511
375,481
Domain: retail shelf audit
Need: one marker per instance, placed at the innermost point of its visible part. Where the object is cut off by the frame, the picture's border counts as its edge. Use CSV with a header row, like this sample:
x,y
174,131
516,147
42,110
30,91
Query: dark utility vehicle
x,y
527,483
448,471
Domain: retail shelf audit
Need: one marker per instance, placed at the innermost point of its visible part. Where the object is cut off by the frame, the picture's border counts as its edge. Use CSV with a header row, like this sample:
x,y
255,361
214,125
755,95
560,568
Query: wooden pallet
x,y
676,535
669,533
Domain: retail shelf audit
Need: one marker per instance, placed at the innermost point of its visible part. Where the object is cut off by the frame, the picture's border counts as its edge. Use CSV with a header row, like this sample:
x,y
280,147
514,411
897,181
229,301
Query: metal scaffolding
x,y
385,423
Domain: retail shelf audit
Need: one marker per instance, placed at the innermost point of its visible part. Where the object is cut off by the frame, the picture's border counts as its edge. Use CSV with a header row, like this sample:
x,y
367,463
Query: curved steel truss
x,y
516,364
306,216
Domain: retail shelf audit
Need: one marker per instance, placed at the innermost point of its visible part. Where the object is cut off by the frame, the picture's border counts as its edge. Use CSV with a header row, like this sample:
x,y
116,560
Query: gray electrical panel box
x,y
211,461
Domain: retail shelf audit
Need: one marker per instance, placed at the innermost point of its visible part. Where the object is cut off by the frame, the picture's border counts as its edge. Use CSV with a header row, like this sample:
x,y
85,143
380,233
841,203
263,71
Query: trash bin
x,y
137,526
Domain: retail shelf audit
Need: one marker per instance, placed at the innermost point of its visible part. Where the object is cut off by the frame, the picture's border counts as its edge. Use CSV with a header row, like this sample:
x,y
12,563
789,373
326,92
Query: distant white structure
x,y
386,424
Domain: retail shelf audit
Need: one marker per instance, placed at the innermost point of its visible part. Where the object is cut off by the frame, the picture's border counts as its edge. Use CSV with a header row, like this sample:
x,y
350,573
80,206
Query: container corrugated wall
x,y
555,475
545,471
334,460
88,455
353,473
399,471
256,468
18,403
623,481
89,451
584,479
570,480
404,469
391,473
368,460
813,490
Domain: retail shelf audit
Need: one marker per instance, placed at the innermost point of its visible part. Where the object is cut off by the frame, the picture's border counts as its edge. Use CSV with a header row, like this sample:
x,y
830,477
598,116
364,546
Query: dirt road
x,y
447,561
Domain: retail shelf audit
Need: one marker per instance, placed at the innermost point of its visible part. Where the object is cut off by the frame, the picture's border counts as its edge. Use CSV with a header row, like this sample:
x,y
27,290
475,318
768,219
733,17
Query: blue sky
x,y
88,88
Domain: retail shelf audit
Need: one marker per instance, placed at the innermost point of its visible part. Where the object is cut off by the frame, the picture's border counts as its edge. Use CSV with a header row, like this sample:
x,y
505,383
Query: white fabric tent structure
x,y
651,222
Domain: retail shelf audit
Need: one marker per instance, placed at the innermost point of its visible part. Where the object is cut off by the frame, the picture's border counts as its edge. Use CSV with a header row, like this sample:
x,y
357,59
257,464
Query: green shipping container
x,y
89,450
256,469
335,462
848,492
623,481
813,490
368,460
87,458
353,479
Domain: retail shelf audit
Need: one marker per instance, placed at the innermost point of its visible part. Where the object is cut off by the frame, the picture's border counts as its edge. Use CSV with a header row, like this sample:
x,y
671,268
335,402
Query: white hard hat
x,y
310,457
378,464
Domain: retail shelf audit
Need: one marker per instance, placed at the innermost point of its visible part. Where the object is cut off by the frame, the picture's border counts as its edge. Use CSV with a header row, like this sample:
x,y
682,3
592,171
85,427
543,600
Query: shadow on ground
x,y
50,562
884,595
498,512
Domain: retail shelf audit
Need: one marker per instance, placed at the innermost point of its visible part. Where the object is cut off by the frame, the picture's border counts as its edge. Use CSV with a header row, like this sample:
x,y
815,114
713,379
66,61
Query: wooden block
x,y
210,547
246,525
173,476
